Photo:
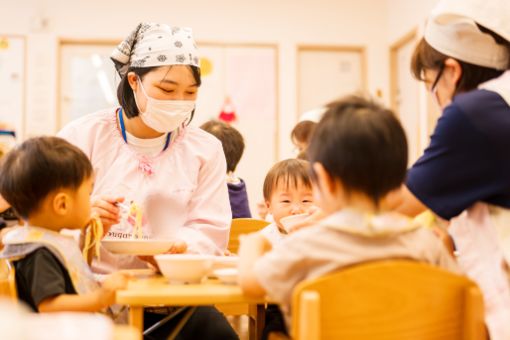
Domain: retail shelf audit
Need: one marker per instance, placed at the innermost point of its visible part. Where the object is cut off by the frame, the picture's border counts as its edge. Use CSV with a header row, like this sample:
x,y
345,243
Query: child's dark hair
x,y
291,171
230,138
425,57
125,94
38,167
362,144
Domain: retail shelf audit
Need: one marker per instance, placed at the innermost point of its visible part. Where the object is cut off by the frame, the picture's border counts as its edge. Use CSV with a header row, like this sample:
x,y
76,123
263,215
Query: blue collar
x,y
123,130
8,133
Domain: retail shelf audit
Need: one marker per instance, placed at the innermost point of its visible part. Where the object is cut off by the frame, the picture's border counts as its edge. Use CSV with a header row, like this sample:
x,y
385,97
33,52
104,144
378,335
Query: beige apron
x,y
24,240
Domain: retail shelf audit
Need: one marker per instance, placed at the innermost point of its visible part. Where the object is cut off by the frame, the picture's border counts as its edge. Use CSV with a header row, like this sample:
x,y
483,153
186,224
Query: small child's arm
x,y
91,302
252,247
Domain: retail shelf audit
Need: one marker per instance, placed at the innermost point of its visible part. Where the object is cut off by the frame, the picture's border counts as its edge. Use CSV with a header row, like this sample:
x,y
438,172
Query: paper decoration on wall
x,y
206,67
228,113
4,43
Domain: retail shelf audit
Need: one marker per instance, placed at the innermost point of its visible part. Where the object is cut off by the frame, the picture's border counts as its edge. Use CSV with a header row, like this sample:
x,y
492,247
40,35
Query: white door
x,y
88,80
326,74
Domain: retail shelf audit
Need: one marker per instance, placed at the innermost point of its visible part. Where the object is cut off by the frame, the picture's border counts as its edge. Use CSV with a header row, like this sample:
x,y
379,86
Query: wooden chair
x,y
7,281
394,299
243,226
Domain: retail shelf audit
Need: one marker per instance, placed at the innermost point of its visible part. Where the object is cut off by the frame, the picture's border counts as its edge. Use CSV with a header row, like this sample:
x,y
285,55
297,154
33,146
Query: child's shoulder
x,y
41,258
315,232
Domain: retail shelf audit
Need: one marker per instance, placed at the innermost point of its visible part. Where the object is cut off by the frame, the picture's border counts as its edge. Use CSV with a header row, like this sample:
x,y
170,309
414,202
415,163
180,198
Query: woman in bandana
x,y
464,174
144,152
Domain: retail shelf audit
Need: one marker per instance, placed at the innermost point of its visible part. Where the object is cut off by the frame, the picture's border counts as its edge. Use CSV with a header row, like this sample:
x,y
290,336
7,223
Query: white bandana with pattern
x,y
153,44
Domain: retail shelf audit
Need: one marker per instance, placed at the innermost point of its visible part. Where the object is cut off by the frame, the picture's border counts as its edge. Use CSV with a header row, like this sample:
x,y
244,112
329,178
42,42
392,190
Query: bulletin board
x,y
13,82
326,73
247,74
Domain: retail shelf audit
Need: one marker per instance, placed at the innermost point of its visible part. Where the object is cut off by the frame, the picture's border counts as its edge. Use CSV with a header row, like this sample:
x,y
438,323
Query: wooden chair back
x,y
391,299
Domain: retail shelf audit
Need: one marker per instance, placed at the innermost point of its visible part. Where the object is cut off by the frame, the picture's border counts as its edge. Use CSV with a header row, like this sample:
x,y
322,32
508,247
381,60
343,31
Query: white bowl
x,y
137,247
291,221
227,275
220,262
184,268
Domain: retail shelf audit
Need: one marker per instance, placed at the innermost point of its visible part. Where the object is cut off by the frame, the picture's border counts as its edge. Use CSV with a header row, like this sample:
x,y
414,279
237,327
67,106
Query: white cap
x,y
452,30
314,115
491,14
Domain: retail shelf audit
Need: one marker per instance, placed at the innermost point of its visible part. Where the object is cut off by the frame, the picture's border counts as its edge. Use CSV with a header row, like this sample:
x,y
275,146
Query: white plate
x,y
227,275
137,247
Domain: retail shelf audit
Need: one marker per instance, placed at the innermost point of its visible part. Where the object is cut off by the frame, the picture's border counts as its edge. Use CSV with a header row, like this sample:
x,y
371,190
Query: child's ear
x,y
324,181
61,202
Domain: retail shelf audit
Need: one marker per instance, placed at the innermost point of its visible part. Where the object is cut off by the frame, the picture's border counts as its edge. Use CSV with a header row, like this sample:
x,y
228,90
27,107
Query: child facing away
x,y
358,156
287,192
233,147
48,182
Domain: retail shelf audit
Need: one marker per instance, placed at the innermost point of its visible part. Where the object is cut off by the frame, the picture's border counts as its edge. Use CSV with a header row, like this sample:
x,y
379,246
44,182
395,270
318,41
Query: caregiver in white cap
x,y
144,152
464,174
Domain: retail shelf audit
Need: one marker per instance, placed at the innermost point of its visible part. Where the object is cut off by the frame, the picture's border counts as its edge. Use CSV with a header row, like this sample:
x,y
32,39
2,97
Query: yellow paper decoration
x,y
4,43
206,66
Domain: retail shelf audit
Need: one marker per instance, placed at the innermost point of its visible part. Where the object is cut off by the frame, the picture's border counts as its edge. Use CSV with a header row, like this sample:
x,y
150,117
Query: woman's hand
x,y
105,207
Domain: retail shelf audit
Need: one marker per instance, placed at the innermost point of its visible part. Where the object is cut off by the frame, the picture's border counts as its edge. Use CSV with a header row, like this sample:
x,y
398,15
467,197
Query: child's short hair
x,y
38,167
303,131
291,171
230,138
363,144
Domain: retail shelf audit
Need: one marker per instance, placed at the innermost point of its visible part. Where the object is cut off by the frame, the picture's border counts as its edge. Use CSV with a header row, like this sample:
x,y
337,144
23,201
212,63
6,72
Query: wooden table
x,y
155,291
123,332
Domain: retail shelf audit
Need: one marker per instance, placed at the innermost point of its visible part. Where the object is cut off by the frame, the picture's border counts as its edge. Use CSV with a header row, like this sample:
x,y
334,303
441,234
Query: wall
x,y
374,24
284,22
403,16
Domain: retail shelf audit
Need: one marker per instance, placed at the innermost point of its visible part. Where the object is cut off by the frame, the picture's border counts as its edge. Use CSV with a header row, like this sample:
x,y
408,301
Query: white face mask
x,y
165,115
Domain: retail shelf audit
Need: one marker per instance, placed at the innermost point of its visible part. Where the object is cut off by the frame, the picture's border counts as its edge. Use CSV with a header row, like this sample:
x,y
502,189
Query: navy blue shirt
x,y
468,159
239,200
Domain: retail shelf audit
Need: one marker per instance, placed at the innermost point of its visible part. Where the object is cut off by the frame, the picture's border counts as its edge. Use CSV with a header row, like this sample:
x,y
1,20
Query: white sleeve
x,y
209,216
